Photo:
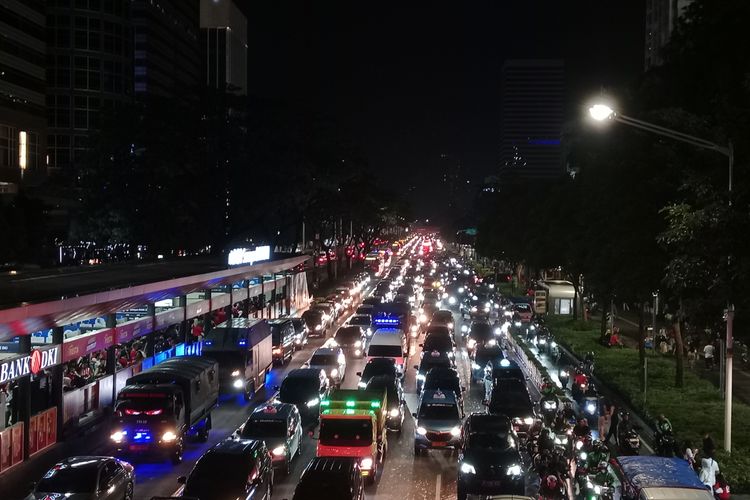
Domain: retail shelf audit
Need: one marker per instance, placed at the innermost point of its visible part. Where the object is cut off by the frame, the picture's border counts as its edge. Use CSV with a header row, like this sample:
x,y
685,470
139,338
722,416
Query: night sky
x,y
408,83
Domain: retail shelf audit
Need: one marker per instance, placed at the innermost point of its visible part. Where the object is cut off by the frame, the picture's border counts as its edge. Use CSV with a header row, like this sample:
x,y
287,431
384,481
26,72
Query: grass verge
x,y
696,408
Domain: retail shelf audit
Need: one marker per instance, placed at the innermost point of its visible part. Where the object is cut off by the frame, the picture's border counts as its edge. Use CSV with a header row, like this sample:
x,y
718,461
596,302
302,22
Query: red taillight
x,y
153,412
132,412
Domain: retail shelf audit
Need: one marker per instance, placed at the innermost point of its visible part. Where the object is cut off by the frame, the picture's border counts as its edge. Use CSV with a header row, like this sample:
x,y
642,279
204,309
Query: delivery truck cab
x,y
243,347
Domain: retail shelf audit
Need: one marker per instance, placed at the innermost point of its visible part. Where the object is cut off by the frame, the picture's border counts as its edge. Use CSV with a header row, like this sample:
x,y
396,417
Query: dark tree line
x,y
646,213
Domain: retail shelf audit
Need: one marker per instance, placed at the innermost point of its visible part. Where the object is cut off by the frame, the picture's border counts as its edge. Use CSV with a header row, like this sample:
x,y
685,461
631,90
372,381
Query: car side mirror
x,y
182,480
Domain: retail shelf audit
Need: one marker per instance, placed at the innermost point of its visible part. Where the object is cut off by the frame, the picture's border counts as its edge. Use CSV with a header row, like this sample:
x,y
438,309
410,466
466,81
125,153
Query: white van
x,y
389,343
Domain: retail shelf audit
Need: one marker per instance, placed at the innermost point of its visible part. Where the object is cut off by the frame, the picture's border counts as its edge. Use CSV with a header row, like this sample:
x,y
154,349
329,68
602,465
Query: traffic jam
x,y
403,381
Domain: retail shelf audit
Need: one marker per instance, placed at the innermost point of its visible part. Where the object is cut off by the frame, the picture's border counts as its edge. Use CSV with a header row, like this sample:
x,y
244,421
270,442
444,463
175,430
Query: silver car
x,y
87,478
332,361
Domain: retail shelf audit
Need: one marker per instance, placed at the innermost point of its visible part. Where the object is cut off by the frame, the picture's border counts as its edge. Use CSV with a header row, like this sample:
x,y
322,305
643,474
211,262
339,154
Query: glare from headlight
x,y
473,309
361,384
464,328
313,402
591,408
517,323
583,455
238,383
358,352
468,468
168,436
579,445
452,301
236,373
420,376
542,341
498,331
553,344
366,463
422,318
450,325
514,470
461,290
278,451
597,489
395,412
358,343
475,366
421,431
528,420
456,431
318,327
491,342
334,372
118,436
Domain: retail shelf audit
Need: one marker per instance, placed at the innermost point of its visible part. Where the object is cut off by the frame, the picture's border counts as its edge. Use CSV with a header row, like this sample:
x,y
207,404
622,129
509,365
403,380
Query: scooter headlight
x,y
118,436
528,420
168,437
395,412
238,383
279,451
236,373
468,468
514,470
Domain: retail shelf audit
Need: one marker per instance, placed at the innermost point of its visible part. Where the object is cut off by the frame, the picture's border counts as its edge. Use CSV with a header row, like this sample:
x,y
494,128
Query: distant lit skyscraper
x,y
22,91
223,40
89,69
167,55
661,17
532,116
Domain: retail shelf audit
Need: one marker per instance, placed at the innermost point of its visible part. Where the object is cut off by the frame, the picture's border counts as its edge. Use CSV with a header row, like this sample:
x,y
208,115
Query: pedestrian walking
x,y
708,355
691,356
604,421
614,419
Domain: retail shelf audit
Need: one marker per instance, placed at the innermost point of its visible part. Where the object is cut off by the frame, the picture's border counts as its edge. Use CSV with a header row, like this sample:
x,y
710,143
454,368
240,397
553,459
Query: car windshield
x,y
258,429
143,406
390,351
374,369
203,481
437,343
348,335
296,389
430,361
335,487
438,411
68,479
276,334
488,440
343,432
481,331
487,353
381,383
323,360
442,317
360,320
312,317
524,308
298,323
443,382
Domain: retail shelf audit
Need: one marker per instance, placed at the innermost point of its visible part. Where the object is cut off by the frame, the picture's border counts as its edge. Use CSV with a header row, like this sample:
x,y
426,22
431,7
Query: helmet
x,y
598,446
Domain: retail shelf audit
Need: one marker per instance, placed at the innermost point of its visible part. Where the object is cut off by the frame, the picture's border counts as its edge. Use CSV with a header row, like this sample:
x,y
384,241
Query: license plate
x,y
138,447
438,444
492,484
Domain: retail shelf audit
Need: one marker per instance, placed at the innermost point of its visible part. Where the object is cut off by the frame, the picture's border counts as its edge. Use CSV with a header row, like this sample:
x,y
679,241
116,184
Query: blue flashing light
x,y
208,342
142,437
243,342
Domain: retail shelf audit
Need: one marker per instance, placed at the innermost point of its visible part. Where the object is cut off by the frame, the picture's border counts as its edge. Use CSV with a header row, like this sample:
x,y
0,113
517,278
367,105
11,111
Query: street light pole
x,y
602,112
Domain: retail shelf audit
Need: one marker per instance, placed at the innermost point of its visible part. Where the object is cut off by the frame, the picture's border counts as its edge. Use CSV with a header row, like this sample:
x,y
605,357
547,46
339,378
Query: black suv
x,y
489,462
243,466
305,388
331,478
283,336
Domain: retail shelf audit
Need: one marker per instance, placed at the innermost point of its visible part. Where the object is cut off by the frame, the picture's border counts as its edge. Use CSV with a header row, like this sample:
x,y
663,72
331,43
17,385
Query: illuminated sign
x,y
240,256
22,149
38,360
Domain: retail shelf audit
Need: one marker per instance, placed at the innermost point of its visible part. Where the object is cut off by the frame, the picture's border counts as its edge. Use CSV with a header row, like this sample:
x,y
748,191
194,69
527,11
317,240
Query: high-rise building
x,y
223,46
22,91
167,55
661,17
532,116
89,68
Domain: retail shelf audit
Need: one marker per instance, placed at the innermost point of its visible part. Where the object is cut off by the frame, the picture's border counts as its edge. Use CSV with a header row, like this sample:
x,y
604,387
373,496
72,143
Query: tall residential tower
x,y
532,117
223,46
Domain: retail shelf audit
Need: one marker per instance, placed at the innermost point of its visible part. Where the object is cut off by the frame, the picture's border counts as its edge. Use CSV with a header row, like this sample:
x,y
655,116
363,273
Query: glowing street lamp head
x,y
601,112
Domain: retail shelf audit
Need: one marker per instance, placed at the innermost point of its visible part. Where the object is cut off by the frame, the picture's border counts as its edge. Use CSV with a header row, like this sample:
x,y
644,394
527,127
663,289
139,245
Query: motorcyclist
x,y
624,426
664,436
589,362
599,453
663,426
548,387
580,382
560,424
581,429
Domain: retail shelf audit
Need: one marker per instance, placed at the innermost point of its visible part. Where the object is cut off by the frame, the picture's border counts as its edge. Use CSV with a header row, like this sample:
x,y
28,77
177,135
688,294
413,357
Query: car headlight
x,y
236,373
456,431
563,373
238,383
452,301
118,436
507,313
361,384
313,402
318,328
464,328
591,408
532,328
421,431
528,420
475,366
366,463
517,323
468,468
514,470
334,372
395,412
278,451
357,352
461,290
358,343
168,437
550,405
496,306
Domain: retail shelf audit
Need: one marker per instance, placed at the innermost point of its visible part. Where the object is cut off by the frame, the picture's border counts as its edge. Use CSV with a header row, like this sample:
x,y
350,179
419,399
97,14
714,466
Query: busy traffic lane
x,y
159,477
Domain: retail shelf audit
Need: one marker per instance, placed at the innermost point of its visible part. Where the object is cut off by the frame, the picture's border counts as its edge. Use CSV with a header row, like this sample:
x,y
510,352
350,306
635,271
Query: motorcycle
x,y
665,445
590,406
549,407
629,442
552,487
563,375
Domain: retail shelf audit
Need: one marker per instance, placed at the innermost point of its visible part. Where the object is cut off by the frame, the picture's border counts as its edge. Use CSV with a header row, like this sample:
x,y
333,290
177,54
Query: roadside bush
x,y
696,408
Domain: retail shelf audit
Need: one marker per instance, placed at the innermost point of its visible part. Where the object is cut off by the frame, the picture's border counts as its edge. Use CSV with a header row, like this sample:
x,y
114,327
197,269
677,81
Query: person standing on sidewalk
x,y
708,445
708,355
614,419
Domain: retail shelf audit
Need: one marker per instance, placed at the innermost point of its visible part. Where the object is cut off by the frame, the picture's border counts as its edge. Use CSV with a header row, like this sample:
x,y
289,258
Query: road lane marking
x,y
438,478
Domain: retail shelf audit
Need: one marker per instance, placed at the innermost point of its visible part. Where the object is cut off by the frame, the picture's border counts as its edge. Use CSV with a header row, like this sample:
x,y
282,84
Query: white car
x,y
332,361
